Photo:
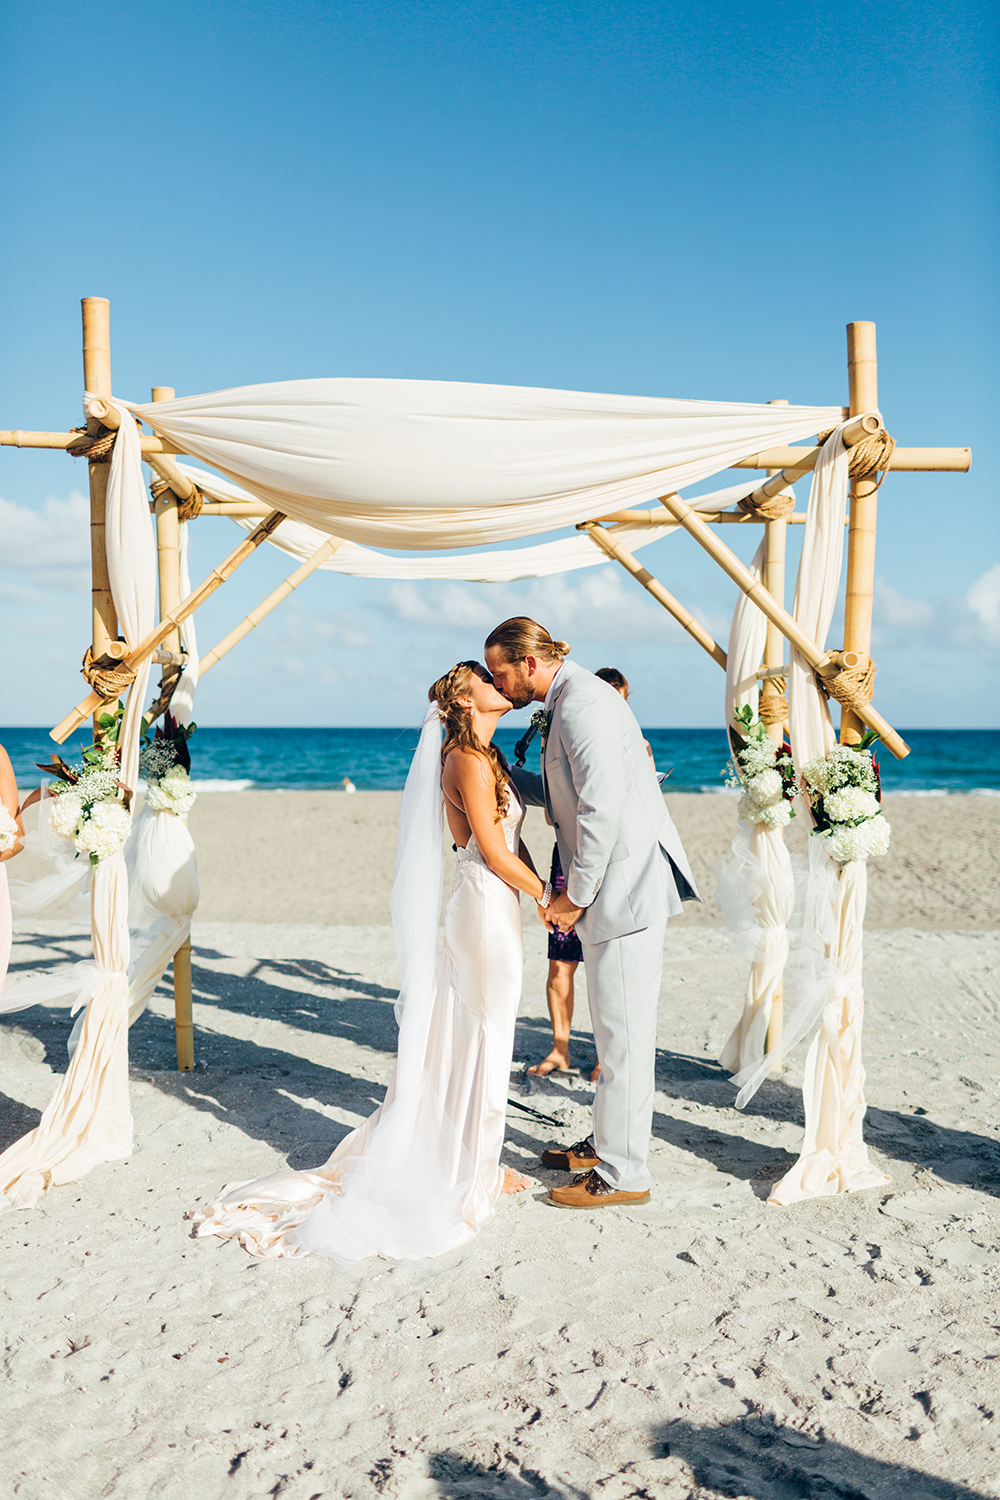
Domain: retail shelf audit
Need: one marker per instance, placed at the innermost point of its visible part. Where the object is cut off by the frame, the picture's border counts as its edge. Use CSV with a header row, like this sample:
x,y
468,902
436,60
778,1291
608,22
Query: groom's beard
x,y
520,697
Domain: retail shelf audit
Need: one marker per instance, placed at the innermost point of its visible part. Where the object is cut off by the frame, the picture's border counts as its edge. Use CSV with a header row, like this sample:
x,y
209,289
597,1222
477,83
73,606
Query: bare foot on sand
x,y
595,1075
513,1182
556,1062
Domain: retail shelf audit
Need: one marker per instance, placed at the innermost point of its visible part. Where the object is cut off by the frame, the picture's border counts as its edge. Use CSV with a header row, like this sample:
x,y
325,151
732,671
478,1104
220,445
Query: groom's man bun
x,y
520,637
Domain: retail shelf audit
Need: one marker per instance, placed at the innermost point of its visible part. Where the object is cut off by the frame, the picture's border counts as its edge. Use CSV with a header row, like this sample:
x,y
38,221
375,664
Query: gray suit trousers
x,y
623,988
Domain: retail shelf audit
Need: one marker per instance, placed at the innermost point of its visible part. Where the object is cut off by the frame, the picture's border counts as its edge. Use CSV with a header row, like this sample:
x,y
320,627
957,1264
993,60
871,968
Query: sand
x,y
706,1345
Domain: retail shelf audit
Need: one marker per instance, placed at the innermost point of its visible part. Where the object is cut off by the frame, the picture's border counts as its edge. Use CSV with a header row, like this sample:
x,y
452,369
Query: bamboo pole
x,y
774,656
187,607
168,557
235,508
168,542
184,1007
272,601
97,379
862,374
652,586
819,660
774,582
17,438
911,460
648,517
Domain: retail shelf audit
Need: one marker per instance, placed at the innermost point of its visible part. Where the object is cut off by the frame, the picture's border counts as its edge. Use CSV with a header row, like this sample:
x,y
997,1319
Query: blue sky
x,y
683,200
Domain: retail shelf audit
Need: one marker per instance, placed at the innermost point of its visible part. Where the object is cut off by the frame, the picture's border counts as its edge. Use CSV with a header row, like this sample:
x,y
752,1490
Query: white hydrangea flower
x,y
850,803
8,828
765,786
869,840
776,814
104,831
173,793
67,810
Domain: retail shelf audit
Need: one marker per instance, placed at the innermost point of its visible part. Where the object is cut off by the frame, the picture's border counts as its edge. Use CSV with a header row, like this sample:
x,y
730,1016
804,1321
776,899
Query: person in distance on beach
x,y
422,1175
626,872
564,951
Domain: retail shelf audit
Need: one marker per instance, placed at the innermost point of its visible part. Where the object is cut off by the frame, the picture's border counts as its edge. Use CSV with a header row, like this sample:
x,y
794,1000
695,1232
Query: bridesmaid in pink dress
x,y
8,797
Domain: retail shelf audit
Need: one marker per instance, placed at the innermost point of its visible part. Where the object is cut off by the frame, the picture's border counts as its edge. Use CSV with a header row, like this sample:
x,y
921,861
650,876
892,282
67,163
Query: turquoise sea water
x,y
943,761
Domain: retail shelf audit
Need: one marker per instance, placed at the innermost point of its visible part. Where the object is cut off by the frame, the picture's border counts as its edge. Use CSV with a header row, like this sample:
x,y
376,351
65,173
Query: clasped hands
x,y
560,915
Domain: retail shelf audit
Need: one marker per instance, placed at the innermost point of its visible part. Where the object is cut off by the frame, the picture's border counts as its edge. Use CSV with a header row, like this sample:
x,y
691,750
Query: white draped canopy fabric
x,y
512,563
88,1119
757,890
426,465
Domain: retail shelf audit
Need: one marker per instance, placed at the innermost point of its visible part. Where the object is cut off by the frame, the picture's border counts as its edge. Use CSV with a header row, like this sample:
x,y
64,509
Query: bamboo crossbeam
x,y
660,594
865,427
272,601
235,508
16,438
817,658
648,517
904,460
175,617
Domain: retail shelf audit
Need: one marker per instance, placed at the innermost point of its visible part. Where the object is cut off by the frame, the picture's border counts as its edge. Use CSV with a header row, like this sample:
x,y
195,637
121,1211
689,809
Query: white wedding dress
x,y
422,1175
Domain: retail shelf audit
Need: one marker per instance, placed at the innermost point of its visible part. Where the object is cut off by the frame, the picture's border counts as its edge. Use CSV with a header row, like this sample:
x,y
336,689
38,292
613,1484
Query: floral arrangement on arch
x,y
8,829
763,769
165,765
845,793
92,804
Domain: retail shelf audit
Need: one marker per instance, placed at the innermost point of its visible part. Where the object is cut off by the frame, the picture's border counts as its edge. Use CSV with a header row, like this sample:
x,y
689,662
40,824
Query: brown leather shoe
x,y
578,1158
589,1190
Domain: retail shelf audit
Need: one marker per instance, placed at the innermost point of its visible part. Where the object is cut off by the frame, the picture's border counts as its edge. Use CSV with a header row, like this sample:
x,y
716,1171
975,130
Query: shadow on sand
x,y
252,1081
755,1458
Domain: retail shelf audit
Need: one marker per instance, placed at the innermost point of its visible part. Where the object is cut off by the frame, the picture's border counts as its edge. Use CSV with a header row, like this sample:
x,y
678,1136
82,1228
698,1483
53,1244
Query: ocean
x,y
943,761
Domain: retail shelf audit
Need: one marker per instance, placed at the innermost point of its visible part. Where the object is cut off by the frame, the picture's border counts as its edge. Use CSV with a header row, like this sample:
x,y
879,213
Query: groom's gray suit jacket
x,y
611,823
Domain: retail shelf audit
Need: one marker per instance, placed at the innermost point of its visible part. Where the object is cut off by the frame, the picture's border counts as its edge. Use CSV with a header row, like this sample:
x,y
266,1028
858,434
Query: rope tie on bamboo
x,y
869,456
96,449
772,508
772,708
853,687
109,682
187,510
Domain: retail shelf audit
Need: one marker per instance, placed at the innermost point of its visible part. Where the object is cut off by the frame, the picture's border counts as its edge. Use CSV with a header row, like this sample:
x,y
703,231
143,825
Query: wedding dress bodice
x,y
472,854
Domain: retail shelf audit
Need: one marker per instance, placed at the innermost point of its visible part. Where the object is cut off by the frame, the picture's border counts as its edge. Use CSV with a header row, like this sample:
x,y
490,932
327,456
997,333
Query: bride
x,y
422,1175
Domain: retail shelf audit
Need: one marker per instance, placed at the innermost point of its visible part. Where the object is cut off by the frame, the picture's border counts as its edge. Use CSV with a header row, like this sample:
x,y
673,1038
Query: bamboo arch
x,y
177,500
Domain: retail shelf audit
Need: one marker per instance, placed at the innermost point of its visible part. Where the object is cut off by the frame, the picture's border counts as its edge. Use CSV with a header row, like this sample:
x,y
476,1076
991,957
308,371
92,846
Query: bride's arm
x,y
469,782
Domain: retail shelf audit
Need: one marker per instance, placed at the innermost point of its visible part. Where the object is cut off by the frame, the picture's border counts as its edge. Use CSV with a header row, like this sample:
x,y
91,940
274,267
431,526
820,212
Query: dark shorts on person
x,y
562,945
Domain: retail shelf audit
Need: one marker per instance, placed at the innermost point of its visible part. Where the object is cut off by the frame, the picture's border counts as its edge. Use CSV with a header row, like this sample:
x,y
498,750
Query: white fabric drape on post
x,y
425,465
88,1120
834,1157
756,888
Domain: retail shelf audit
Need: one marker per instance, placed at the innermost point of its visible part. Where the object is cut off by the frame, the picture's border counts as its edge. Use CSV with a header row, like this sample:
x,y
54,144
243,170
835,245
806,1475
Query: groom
x,y
626,872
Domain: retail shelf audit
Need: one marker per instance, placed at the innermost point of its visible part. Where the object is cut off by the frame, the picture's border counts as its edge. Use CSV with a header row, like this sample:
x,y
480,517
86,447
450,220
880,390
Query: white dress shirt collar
x,y
552,688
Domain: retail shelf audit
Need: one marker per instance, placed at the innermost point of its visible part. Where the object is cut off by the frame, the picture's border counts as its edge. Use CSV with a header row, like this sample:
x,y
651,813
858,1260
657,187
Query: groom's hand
x,y
562,913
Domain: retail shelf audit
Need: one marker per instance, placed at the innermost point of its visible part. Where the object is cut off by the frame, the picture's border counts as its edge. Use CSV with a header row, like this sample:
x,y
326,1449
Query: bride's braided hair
x,y
458,730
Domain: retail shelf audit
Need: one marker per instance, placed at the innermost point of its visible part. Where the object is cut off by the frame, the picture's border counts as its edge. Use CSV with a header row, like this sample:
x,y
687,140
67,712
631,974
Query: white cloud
x,y
983,599
596,606
894,609
56,537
